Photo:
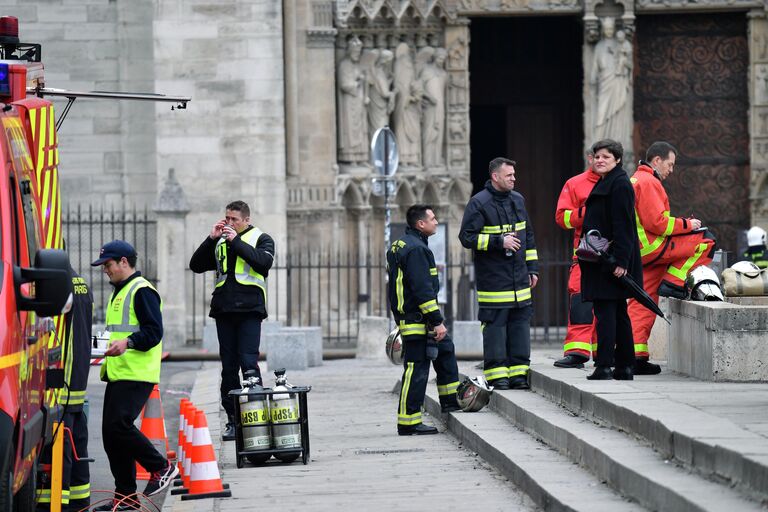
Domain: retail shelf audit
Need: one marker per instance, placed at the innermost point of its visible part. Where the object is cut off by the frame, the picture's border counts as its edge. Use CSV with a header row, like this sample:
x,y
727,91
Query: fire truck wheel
x,y
6,483
24,500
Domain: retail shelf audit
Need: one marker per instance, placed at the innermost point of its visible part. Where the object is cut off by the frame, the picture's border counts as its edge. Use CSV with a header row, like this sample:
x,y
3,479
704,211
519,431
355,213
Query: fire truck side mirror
x,y
52,283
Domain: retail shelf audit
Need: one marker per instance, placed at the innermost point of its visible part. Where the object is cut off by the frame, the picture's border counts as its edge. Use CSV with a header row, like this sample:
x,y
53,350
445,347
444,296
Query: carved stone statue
x,y
434,79
610,79
381,94
353,123
407,114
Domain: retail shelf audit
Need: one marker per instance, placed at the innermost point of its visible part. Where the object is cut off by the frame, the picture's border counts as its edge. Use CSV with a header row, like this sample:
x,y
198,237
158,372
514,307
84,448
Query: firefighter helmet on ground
x,y
473,394
395,347
704,284
756,236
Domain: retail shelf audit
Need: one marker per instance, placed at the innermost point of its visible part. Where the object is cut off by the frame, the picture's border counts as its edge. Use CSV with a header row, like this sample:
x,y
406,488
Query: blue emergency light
x,y
5,80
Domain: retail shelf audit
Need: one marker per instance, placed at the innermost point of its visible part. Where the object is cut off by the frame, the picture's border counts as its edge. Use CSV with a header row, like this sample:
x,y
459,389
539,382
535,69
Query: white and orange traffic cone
x,y
205,479
182,441
153,427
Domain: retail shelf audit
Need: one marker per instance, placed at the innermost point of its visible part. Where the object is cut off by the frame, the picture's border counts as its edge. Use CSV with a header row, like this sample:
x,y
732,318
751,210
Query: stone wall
x,y
106,147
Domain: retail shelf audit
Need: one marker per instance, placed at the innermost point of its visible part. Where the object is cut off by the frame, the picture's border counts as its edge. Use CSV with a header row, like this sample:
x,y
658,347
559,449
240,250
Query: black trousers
x,y
416,375
75,481
614,334
506,342
123,442
239,340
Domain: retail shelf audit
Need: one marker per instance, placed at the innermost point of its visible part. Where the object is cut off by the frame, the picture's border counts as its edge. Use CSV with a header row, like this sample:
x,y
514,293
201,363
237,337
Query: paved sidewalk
x,y
357,459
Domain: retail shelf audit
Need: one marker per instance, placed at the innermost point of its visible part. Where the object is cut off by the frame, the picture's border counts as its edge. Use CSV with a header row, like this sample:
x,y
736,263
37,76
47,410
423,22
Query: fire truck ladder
x,y
180,101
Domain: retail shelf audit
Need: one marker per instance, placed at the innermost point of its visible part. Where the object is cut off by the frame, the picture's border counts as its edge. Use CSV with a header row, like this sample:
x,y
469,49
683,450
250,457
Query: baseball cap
x,y
114,249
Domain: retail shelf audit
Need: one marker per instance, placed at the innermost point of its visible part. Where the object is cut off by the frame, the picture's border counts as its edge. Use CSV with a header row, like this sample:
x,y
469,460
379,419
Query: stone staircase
x,y
575,445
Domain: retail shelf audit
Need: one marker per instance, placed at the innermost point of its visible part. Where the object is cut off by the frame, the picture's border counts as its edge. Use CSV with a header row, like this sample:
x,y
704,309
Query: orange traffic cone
x,y
186,413
182,441
153,427
205,480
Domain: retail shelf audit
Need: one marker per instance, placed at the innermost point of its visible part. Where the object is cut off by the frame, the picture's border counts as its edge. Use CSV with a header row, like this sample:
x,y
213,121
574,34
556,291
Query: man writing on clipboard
x,y
670,247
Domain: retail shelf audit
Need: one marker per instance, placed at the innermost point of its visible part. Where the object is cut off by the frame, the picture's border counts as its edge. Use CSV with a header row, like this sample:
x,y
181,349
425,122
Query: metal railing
x,y
86,229
334,289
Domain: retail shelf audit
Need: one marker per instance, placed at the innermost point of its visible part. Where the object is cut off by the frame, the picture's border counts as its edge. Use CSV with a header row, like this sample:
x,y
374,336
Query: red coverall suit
x,y
580,339
668,249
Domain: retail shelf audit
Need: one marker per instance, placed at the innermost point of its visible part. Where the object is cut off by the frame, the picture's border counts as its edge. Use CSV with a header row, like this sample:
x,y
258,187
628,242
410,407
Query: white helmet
x,y
704,284
473,394
395,347
755,236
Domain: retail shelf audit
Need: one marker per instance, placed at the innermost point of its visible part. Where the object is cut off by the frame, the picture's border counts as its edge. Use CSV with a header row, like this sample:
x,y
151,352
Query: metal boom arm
x,y
181,101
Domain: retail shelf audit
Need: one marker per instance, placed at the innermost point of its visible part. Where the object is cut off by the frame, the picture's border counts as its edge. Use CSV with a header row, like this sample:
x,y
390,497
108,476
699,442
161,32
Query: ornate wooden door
x,y
691,90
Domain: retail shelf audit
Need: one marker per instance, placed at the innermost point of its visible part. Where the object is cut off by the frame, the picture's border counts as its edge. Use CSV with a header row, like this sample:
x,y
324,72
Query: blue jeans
x,y
239,339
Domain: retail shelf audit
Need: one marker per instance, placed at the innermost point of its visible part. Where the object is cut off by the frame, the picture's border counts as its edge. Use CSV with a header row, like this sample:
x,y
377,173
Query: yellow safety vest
x,y
121,322
244,273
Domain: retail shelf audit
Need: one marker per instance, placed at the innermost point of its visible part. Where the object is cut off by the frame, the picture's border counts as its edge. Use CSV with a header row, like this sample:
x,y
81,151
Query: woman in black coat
x,y
610,209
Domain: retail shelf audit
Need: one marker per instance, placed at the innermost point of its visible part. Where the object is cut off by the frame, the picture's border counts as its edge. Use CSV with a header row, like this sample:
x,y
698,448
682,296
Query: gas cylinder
x,y
284,408
254,418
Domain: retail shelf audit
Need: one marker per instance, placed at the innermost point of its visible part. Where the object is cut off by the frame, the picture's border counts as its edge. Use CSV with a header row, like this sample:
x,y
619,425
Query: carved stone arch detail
x,y
432,195
353,197
405,195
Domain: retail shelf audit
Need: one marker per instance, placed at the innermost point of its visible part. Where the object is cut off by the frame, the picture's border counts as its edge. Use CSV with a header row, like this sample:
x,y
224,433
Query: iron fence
x,y
328,287
335,289
86,229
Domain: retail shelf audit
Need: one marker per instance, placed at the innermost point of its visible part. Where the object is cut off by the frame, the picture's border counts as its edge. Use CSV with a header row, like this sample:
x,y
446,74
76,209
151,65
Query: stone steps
x,y
553,481
579,456
713,446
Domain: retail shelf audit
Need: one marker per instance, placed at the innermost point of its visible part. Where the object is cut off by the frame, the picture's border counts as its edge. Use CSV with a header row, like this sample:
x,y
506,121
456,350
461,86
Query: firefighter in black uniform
x,y
413,288
76,354
497,229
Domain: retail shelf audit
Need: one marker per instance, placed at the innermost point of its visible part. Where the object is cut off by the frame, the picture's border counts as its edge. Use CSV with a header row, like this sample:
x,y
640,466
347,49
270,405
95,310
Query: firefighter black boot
x,y
419,429
571,361
229,430
643,367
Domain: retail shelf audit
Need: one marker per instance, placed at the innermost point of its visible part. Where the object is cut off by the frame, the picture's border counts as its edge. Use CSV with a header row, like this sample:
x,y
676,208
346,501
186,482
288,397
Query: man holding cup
x,y
241,255
497,228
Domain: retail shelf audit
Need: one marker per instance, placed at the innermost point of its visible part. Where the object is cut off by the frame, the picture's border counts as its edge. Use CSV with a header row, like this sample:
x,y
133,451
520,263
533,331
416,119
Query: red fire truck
x,y
34,279
35,283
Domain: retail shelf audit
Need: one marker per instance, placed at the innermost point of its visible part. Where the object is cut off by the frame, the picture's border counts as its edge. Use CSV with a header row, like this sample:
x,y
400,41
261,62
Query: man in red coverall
x,y
580,339
670,247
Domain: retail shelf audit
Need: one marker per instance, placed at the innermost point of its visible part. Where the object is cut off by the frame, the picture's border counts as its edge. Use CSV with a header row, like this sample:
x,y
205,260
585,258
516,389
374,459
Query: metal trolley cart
x,y
262,394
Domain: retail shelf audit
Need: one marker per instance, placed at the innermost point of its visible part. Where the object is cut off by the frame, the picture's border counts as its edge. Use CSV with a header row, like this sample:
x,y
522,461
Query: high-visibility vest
x,y
121,322
244,273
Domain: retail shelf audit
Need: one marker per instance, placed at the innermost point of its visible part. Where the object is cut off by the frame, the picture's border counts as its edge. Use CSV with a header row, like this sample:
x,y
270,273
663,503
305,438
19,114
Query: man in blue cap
x,y
131,369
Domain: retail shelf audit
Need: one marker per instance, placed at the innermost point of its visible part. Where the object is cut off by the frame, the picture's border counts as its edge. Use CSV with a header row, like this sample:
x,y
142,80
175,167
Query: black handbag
x,y
592,246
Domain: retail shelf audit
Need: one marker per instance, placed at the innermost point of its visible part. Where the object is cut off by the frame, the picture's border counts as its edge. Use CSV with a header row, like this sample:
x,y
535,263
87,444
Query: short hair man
x,y
497,228
241,255
131,369
670,247
413,288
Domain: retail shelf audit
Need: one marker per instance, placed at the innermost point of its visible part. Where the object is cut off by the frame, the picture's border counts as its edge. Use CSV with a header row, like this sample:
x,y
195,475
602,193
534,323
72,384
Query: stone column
x,y
758,101
171,210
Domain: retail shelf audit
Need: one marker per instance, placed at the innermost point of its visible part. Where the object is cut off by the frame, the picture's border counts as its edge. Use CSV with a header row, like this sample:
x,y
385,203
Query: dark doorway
x,y
526,104
691,90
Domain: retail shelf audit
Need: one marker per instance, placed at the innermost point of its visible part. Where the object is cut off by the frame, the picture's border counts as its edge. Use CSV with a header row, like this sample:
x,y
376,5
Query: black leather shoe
x,y
571,361
500,384
601,373
449,408
643,367
623,373
416,430
229,430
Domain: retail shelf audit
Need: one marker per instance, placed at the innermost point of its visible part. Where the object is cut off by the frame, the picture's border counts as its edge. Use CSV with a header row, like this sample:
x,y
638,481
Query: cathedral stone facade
x,y
287,94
